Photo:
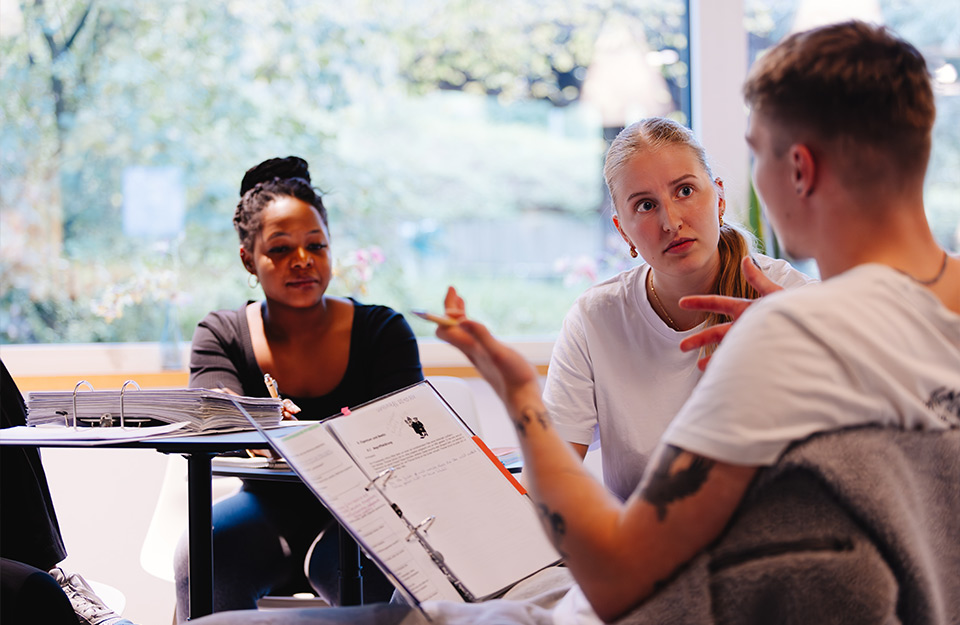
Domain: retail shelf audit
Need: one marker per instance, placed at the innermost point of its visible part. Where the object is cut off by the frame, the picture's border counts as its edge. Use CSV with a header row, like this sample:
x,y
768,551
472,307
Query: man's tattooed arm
x,y
672,480
556,525
529,416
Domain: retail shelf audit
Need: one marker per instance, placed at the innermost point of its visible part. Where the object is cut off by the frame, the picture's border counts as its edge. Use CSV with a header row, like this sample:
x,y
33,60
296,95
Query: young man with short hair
x,y
840,130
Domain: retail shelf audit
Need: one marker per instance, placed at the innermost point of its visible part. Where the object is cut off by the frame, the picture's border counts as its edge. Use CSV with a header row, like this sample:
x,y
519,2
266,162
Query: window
x,y
457,143
931,26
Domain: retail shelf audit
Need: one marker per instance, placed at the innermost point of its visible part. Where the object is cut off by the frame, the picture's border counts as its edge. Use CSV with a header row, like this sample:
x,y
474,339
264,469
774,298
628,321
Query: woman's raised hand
x,y
732,306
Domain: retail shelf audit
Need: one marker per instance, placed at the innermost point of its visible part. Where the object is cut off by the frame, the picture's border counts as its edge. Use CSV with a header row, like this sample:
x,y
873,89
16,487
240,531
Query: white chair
x,y
457,392
169,520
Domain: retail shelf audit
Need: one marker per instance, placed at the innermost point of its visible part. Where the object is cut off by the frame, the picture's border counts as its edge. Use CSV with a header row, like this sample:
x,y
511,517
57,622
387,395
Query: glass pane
x,y
457,142
931,25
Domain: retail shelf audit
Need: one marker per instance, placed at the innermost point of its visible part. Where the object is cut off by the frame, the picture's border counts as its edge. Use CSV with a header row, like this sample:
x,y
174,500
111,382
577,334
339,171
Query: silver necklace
x,y
930,282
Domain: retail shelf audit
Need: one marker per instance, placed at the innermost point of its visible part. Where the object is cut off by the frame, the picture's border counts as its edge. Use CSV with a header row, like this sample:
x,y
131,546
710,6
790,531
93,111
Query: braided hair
x,y
263,183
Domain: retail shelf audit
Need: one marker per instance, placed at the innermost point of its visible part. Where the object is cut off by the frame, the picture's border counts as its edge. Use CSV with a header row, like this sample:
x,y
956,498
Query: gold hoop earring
x,y
721,221
253,280
633,252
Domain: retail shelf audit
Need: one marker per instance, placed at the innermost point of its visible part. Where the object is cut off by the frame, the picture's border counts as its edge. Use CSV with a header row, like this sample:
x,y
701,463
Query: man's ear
x,y
803,169
616,222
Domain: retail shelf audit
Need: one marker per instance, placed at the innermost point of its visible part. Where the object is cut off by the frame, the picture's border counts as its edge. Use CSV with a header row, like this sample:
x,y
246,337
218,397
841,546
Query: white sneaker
x,y
90,609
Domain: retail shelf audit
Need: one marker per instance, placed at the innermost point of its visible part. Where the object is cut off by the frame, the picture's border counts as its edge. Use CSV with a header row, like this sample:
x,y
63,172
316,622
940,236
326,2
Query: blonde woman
x,y
617,372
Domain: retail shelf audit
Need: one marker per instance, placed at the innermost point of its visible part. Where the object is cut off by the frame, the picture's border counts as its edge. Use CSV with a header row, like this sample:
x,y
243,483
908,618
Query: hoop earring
x,y
633,252
255,282
721,221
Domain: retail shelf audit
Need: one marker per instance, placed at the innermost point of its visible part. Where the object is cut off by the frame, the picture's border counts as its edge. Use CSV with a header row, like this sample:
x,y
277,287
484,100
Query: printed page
x,y
84,436
488,533
341,486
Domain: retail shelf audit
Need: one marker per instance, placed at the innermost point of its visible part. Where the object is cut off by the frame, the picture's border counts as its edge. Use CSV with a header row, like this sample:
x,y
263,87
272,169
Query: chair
x,y
169,520
457,392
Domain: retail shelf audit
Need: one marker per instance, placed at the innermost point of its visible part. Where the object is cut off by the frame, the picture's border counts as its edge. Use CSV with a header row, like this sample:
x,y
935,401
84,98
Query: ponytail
x,y
734,244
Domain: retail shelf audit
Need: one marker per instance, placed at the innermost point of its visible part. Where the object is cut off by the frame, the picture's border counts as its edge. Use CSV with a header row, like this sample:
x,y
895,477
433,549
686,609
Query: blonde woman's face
x,y
669,209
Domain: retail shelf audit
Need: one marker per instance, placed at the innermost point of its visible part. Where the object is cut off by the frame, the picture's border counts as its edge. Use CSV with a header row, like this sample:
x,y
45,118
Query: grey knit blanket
x,y
852,526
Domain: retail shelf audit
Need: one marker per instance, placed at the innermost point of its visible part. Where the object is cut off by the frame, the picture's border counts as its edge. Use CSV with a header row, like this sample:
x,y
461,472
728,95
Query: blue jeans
x,y
261,537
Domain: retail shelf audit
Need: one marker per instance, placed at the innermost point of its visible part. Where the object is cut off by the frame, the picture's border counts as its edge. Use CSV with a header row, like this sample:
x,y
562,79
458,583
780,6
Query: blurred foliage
x,y
411,113
414,115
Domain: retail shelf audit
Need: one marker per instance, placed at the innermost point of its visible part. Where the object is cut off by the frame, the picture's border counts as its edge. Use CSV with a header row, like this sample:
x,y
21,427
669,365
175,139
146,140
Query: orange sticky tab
x,y
493,458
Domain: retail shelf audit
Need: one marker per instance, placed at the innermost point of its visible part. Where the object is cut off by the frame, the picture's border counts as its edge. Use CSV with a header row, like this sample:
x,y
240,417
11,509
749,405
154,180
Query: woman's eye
x,y
686,191
645,206
317,247
279,249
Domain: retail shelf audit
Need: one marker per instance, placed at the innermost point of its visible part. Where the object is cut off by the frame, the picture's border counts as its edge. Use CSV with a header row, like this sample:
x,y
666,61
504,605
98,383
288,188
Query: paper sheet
x,y
84,436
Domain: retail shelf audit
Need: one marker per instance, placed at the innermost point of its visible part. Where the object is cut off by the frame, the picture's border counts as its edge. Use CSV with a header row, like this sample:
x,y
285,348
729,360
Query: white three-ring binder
x,y
422,495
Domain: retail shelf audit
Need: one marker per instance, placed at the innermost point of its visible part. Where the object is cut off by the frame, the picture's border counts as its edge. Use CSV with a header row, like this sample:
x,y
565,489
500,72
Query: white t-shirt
x,y
867,346
617,367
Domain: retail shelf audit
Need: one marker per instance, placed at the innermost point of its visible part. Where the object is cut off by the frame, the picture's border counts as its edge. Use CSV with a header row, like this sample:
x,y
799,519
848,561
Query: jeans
x,y
261,538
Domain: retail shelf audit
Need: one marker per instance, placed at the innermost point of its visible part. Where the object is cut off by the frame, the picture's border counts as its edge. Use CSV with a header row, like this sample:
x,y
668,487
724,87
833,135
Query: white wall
x,y
718,62
104,500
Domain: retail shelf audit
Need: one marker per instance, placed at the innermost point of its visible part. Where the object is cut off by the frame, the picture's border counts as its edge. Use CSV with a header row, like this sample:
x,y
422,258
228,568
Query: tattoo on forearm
x,y
669,484
556,524
528,416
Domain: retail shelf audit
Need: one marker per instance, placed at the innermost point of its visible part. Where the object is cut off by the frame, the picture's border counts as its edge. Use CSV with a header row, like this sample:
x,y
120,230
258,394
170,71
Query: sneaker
x,y
90,609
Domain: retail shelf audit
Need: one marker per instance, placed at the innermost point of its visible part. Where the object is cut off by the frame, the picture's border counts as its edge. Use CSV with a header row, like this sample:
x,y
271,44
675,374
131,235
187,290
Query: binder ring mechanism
x,y
122,389
384,475
106,420
75,389
423,525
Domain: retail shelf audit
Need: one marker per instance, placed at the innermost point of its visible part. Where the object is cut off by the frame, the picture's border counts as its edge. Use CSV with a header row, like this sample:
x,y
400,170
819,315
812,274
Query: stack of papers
x,y
201,410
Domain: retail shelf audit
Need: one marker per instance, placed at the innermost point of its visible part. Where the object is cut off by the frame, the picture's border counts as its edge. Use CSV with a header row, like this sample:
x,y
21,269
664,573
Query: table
x,y
198,450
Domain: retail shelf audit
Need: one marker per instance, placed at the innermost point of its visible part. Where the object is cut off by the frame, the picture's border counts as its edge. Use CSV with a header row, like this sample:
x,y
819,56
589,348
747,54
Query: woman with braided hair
x,y
324,352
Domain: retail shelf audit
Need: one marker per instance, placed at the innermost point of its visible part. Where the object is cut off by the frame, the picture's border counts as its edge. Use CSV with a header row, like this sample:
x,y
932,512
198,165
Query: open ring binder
x,y
386,474
423,526
198,409
122,389
480,534
75,389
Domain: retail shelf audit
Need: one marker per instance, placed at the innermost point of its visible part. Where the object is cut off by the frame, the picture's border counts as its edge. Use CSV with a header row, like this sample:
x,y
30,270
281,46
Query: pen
x,y
437,319
271,385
